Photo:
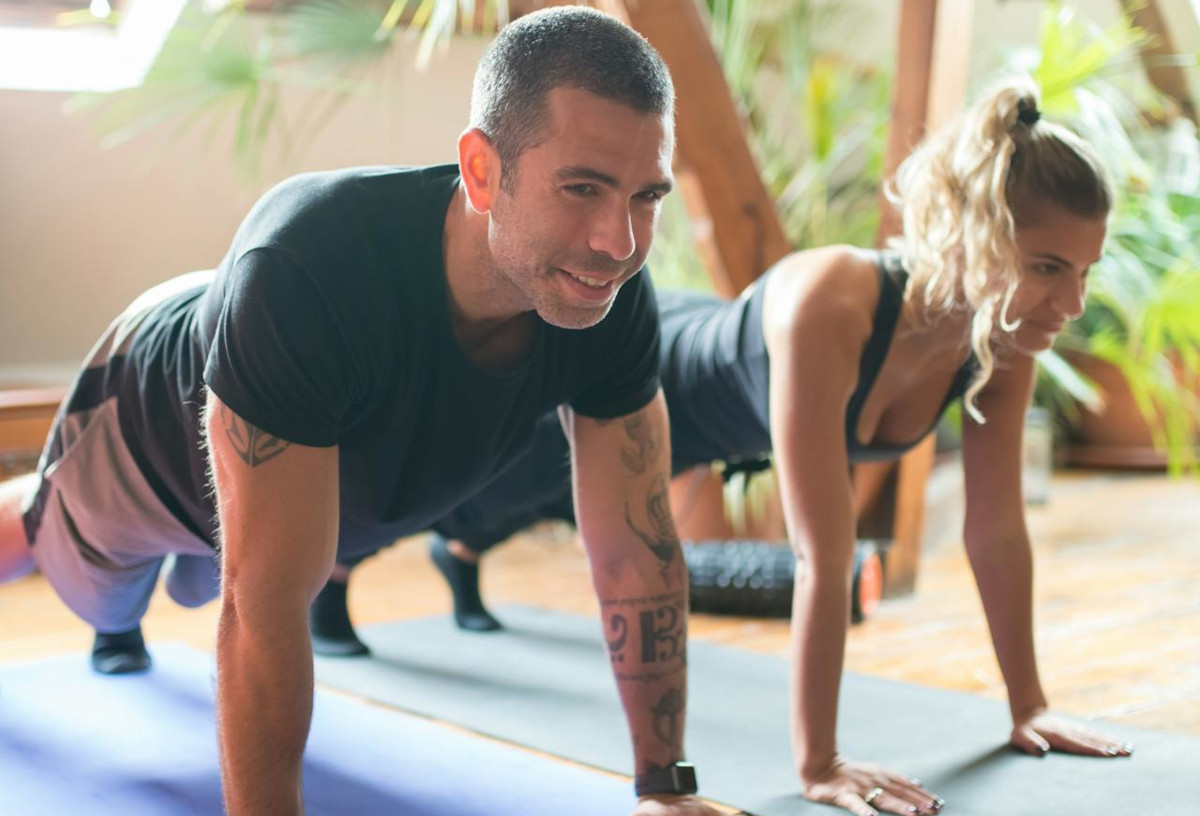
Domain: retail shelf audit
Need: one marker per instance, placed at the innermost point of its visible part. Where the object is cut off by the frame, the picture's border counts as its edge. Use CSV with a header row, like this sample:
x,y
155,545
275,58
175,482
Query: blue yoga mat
x,y
545,682
73,743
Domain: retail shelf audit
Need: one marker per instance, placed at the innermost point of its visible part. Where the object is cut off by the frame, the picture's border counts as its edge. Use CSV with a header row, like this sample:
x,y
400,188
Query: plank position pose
x,y
377,344
840,355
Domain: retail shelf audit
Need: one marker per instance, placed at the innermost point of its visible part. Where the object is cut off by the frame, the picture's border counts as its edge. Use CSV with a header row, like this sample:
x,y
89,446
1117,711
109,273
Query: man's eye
x,y
653,196
582,190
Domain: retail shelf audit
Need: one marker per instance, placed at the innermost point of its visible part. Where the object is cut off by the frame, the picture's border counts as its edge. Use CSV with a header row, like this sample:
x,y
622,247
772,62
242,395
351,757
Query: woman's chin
x,y
1033,343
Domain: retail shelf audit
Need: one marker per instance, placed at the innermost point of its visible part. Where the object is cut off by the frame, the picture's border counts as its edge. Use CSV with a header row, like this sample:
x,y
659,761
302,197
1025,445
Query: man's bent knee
x,y
193,580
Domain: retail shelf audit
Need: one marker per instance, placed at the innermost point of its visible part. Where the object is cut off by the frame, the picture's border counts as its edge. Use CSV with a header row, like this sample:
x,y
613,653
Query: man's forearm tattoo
x,y
660,539
617,638
668,719
650,633
646,445
253,446
647,644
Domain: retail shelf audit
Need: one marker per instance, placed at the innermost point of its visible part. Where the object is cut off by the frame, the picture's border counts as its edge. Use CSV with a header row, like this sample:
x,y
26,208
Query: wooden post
x,y
910,96
932,59
747,233
1172,80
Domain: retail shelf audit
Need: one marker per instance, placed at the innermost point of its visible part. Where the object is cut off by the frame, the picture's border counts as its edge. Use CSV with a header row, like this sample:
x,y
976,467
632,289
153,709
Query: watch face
x,y
685,777
679,777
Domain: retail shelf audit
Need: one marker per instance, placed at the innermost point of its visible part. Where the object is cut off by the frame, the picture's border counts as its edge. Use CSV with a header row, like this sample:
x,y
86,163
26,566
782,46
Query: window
x,y
38,54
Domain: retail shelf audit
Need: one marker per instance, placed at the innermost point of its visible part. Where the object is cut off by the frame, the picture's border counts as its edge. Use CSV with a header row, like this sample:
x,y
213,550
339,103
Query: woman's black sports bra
x,y
715,372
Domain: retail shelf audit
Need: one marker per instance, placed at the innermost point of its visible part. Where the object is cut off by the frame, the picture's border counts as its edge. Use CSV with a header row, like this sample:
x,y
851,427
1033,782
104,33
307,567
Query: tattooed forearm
x,y
647,644
661,538
644,452
253,445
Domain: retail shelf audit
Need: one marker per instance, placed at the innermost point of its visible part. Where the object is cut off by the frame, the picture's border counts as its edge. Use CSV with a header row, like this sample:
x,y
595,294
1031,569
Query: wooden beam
x,y
747,233
1172,80
910,97
950,63
932,61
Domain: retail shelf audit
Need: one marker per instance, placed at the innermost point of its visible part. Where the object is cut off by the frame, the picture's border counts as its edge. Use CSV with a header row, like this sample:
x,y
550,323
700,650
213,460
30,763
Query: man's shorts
x,y
96,528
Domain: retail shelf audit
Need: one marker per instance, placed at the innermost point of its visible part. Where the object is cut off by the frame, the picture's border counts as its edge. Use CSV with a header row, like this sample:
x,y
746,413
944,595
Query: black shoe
x,y
463,578
120,652
329,624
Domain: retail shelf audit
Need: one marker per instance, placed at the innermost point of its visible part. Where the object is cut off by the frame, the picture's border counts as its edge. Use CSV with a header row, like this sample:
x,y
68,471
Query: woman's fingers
x,y
914,789
1045,734
898,799
868,790
1088,744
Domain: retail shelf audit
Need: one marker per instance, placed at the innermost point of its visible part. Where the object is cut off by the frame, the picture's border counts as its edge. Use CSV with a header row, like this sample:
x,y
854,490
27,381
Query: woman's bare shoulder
x,y
832,287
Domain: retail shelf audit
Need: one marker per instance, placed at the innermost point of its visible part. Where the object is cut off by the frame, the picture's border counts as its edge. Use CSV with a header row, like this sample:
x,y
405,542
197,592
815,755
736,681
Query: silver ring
x,y
872,795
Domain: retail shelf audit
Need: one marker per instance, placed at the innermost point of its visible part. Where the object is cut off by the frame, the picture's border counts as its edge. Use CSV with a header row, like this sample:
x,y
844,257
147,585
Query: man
x,y
376,345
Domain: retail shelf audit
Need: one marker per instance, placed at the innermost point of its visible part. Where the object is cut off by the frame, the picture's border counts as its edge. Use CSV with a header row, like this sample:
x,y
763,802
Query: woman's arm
x,y
1001,559
994,532
815,346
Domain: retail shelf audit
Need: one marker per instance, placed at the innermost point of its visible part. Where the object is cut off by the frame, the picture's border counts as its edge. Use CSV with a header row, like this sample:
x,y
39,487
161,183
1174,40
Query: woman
x,y
840,355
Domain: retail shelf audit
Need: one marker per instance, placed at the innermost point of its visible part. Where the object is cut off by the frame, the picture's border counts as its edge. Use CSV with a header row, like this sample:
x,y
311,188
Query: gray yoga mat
x,y
73,742
544,682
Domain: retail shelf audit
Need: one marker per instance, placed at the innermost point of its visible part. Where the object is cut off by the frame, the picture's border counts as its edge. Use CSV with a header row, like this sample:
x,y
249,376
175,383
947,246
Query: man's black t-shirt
x,y
328,324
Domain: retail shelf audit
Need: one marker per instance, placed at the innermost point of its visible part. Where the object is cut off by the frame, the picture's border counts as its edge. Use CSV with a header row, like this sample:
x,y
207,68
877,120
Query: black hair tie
x,y
1029,116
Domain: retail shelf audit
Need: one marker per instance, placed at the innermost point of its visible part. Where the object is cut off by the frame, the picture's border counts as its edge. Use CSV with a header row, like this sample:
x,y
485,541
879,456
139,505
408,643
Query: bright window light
x,y
70,59
100,9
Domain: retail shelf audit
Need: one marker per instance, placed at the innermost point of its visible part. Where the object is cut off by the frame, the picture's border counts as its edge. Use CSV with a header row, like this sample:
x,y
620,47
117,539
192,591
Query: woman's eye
x,y
1045,269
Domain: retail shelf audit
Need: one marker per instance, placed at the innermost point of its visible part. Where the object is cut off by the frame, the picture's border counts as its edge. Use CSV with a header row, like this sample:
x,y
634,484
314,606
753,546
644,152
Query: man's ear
x,y
479,165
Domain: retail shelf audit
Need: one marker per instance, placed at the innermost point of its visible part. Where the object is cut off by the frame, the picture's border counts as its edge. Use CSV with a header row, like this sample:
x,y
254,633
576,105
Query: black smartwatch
x,y
677,778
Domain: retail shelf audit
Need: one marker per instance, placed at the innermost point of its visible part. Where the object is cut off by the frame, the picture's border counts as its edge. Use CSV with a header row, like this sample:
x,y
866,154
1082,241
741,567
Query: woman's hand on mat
x,y
850,784
674,806
1040,733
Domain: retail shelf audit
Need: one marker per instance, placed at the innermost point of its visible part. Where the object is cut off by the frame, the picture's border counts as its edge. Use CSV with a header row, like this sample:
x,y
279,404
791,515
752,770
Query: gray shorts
x,y
102,533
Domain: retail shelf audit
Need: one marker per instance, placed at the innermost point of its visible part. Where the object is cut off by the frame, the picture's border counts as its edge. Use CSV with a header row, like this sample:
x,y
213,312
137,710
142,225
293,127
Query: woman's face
x,y
1056,249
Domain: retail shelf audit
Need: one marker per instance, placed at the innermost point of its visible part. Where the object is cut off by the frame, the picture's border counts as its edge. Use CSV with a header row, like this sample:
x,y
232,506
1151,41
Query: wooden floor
x,y
1118,610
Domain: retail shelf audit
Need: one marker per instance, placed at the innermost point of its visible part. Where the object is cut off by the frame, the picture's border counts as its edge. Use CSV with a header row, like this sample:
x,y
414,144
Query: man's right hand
x,y
849,784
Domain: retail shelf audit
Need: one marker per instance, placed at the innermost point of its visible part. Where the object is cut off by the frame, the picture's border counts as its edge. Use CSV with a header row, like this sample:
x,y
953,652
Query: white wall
x,y
83,231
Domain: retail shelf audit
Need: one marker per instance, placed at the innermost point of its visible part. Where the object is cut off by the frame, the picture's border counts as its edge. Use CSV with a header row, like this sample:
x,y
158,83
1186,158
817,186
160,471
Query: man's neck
x,y
490,321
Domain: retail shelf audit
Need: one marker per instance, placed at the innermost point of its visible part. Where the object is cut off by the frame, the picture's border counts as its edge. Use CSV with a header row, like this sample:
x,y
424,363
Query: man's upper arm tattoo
x,y
646,445
253,445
